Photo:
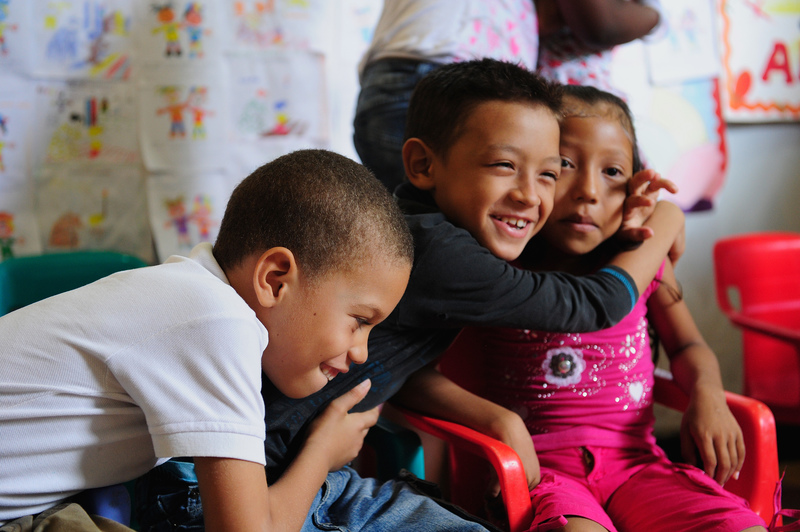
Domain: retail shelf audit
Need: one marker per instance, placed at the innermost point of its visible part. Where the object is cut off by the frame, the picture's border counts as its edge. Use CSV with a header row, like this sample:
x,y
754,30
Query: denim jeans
x,y
380,121
349,503
168,499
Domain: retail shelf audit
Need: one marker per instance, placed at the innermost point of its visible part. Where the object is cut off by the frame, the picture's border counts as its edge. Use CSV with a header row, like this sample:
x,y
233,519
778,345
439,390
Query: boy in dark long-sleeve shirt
x,y
482,160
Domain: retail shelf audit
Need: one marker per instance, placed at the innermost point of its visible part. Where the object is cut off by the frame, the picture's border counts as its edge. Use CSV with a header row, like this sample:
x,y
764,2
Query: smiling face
x,y
323,327
597,164
498,179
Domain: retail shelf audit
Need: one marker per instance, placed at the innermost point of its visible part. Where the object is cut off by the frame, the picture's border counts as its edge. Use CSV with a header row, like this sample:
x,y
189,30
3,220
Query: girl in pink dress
x,y
586,398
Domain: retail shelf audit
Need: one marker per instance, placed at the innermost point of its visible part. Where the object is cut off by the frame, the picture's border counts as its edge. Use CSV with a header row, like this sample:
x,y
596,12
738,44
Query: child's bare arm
x,y
235,494
708,424
431,393
642,263
602,24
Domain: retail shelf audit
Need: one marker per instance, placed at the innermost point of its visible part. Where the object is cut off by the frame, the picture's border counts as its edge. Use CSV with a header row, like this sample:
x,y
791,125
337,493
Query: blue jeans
x,y
349,503
168,499
380,121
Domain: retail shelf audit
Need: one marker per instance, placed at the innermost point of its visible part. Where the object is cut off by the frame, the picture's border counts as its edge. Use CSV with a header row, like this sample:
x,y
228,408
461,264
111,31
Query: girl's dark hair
x,y
444,99
592,97
328,210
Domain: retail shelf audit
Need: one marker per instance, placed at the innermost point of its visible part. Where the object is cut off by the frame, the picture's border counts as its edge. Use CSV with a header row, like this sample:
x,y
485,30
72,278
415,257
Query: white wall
x,y
761,192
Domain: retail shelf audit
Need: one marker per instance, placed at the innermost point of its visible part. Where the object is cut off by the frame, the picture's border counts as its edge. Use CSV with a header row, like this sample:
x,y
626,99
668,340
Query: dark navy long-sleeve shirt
x,y
454,282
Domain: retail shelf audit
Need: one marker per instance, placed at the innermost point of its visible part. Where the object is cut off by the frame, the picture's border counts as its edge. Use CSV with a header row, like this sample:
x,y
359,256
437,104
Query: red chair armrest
x,y
504,459
756,325
759,476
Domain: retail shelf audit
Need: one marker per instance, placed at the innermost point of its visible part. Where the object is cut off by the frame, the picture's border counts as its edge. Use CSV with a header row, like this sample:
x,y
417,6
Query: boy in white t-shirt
x,y
101,384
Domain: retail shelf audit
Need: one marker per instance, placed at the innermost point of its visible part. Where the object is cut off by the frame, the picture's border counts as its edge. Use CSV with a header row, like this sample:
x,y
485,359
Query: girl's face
x,y
597,162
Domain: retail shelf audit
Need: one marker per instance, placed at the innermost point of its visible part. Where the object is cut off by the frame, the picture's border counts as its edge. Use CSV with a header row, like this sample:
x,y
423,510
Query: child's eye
x,y
361,321
551,175
615,173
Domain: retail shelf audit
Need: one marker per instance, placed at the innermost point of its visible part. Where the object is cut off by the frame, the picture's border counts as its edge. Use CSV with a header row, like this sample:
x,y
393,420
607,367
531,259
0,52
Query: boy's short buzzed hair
x,y
327,209
585,100
443,100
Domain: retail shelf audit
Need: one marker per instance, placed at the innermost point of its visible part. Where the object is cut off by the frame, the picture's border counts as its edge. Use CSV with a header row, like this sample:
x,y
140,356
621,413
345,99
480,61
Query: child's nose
x,y
358,352
586,186
526,192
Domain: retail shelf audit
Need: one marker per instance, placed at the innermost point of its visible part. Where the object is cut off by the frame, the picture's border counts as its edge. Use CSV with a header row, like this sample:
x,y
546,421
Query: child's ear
x,y
418,160
274,275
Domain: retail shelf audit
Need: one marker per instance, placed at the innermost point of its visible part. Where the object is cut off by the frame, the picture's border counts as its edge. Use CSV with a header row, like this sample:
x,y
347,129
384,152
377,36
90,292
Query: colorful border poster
x,y
760,45
679,127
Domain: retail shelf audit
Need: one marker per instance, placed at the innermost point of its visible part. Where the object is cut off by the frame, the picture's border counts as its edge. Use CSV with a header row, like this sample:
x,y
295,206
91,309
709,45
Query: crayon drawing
x,y
19,232
83,39
88,122
186,210
181,120
278,24
178,31
94,207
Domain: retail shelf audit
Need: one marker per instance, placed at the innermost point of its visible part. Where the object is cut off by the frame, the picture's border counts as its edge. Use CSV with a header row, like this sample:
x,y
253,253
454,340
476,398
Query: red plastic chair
x,y
764,269
472,453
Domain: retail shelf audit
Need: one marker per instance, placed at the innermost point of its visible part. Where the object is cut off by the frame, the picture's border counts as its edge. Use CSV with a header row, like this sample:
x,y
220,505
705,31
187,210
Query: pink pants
x,y
633,490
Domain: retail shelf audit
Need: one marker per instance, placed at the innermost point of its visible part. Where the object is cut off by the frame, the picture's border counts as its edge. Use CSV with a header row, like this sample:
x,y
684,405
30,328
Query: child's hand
x,y
643,190
517,437
709,427
338,434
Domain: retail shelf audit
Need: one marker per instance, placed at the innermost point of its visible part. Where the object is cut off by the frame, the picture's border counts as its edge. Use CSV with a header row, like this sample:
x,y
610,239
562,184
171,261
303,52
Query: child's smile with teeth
x,y
329,372
519,223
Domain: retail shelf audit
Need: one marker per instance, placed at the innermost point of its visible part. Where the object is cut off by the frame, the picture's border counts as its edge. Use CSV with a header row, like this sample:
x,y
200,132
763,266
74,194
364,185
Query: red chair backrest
x,y
763,270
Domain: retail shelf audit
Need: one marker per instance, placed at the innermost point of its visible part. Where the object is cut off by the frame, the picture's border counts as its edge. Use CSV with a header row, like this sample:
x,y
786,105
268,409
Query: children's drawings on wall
x,y
279,24
688,50
180,121
87,122
19,231
82,39
16,112
276,101
96,94
760,43
14,21
93,207
679,127
186,210
179,32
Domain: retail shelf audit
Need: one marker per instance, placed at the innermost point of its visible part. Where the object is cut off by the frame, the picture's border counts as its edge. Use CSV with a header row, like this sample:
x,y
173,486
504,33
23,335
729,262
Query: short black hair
x,y
327,209
443,100
582,99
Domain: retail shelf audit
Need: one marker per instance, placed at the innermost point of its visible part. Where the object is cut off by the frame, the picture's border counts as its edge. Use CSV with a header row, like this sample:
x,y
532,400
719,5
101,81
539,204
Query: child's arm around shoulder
x,y
642,264
708,424
235,493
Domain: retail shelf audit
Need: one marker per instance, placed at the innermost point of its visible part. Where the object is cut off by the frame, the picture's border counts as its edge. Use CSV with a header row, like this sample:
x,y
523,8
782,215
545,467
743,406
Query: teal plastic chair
x,y
388,448
26,280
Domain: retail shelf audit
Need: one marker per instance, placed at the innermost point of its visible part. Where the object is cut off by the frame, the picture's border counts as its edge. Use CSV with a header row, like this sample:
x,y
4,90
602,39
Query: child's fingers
x,y
662,184
369,417
635,234
636,202
352,397
637,184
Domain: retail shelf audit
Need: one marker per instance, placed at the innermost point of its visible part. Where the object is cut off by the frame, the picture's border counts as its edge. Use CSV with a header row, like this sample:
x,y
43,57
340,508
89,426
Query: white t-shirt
x,y
448,31
101,384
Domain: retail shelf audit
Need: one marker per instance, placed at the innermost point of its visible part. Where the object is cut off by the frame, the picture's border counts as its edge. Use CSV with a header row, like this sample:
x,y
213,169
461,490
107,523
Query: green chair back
x,y
25,280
